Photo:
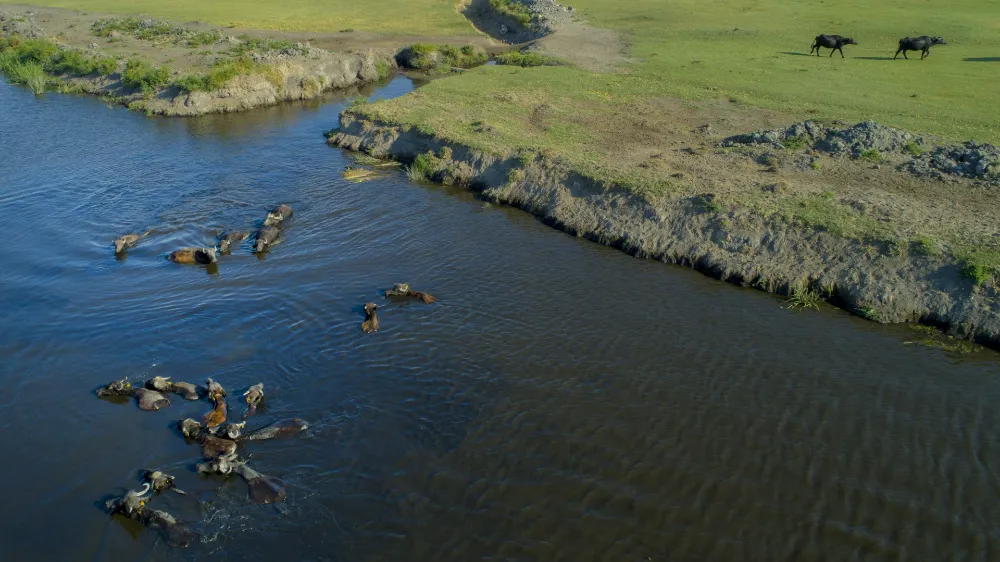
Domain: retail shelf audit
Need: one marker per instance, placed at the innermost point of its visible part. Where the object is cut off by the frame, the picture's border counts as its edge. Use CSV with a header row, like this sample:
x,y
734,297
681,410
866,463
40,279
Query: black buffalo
x,y
922,44
834,42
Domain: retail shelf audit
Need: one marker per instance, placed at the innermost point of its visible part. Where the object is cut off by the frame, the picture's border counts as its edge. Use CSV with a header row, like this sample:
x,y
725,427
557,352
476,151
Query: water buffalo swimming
x,y
266,236
253,396
123,243
146,398
217,415
133,506
212,447
278,214
404,290
263,489
161,482
371,319
227,240
214,389
202,256
164,384
281,428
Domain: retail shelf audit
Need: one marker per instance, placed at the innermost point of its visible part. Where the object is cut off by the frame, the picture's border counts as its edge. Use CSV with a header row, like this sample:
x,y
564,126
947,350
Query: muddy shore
x,y
869,279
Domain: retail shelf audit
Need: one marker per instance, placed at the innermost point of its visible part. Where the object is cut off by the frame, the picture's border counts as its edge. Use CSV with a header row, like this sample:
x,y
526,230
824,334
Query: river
x,y
561,401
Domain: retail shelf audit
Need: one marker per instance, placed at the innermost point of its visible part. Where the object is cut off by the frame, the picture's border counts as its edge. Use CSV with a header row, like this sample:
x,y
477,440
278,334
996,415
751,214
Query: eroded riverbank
x,y
883,280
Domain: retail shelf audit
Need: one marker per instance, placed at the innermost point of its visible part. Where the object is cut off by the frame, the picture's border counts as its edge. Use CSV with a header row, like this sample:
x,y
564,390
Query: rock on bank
x,y
875,280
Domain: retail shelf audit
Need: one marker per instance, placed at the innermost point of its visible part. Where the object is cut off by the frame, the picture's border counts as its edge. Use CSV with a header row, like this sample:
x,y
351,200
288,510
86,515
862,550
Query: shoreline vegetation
x,y
677,131
238,73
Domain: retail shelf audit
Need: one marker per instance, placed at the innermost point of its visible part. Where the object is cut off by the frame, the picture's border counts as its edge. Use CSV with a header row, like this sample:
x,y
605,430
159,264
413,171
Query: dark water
x,y
563,401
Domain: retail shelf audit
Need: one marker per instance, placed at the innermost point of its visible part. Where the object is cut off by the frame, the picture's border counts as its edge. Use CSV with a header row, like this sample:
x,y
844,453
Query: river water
x,y
562,401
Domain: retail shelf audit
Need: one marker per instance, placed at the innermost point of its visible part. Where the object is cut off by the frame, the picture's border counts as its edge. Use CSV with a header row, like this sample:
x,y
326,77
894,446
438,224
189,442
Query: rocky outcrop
x,y
870,280
870,139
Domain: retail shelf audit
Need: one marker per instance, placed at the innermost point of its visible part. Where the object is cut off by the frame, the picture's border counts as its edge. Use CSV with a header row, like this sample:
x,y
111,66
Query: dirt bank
x,y
879,281
272,67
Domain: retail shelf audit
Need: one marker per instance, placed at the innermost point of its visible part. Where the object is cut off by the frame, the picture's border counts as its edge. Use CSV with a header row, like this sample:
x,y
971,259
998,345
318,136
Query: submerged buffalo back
x,y
283,428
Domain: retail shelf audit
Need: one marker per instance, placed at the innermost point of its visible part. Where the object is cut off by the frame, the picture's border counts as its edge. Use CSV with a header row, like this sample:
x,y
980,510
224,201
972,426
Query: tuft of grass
x,y
423,168
870,313
220,74
926,245
806,298
872,155
76,63
431,57
513,10
914,149
141,75
981,264
31,74
384,69
249,45
795,143
709,204
815,165
528,59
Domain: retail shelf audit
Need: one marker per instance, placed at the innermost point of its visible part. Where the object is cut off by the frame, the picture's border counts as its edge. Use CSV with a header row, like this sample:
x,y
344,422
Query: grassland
x,y
412,17
753,54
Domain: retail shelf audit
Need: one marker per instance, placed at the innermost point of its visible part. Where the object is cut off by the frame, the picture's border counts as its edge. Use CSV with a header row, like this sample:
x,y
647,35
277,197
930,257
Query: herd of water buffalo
x,y
215,433
836,43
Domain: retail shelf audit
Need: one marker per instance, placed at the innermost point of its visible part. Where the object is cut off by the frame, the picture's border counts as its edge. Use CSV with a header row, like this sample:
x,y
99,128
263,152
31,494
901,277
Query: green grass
x,y
804,298
220,74
913,149
982,265
926,245
795,143
517,58
872,155
426,17
29,61
255,44
513,10
429,57
143,76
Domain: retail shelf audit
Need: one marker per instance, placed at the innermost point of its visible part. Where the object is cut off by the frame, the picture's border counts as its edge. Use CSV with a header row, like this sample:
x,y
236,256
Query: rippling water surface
x,y
562,401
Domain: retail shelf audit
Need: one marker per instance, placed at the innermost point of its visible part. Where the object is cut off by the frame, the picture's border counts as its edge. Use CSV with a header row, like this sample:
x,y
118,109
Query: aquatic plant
x,y
806,298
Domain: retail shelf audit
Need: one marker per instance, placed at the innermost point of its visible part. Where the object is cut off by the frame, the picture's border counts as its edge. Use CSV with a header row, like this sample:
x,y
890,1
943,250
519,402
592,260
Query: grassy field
x,y
753,52
427,17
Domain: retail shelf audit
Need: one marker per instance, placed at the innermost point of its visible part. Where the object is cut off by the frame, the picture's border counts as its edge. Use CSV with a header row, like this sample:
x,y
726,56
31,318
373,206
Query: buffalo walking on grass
x,y
833,42
922,44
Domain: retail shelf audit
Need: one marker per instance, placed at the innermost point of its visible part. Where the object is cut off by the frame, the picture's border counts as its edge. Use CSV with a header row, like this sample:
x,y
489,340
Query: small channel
x,y
561,401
